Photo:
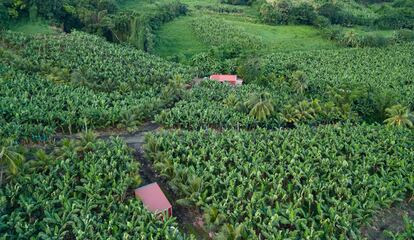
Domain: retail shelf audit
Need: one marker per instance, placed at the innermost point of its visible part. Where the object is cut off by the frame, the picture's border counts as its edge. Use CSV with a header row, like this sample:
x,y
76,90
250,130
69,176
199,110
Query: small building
x,y
154,199
231,79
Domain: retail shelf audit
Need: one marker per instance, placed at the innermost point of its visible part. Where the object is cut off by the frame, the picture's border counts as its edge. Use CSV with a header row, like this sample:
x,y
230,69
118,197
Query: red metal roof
x,y
153,198
219,77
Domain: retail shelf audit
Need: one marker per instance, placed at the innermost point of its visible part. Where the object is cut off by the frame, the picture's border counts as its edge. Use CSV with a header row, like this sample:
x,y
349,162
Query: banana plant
x,y
300,183
10,159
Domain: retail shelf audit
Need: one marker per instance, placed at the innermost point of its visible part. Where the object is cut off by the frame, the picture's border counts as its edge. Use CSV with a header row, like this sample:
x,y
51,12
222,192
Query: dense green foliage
x,y
376,70
305,87
394,15
72,14
103,17
79,192
138,26
90,61
237,2
206,106
217,32
34,109
354,38
306,183
288,12
315,142
333,16
63,83
229,42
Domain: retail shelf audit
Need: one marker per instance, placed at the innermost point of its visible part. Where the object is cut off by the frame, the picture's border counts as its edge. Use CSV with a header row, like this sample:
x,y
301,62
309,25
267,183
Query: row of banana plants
x,y
217,105
33,109
305,183
69,82
388,69
217,32
285,89
87,60
79,191
228,42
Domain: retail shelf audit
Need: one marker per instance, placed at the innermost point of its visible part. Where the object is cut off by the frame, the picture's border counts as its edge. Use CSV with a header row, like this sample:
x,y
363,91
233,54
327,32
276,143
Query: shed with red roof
x,y
231,79
154,199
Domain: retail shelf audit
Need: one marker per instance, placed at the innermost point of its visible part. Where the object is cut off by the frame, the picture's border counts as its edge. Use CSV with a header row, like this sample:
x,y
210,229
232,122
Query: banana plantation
x,y
206,120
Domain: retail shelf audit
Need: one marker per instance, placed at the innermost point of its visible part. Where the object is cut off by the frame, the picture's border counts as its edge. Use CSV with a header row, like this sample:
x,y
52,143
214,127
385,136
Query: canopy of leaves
x,y
308,183
80,195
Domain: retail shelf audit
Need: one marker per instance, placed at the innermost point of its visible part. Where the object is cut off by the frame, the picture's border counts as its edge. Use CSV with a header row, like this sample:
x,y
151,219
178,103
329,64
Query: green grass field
x,y
363,31
177,38
139,5
286,38
28,27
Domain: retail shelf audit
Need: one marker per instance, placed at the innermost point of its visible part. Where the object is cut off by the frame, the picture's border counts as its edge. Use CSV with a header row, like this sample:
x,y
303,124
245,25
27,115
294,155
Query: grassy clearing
x,y
192,3
286,38
177,38
139,5
364,31
29,27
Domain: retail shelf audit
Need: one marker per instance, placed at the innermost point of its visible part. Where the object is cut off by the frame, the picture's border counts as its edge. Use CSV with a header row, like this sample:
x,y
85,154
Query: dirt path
x,y
390,219
187,217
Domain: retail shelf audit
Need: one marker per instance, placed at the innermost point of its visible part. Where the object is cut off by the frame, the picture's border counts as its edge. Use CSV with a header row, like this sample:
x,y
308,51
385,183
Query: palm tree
x,y
260,106
303,111
350,39
228,232
10,159
174,90
130,120
213,218
87,140
300,81
231,100
41,160
399,116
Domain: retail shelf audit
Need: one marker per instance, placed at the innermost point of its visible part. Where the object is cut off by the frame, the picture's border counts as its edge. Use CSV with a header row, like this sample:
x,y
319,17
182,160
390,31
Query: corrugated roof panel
x,y
153,198
221,77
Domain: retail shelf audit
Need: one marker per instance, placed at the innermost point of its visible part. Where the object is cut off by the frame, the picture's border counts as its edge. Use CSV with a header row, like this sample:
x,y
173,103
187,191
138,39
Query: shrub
x,y
304,13
250,70
331,12
321,22
396,19
237,2
338,15
403,35
333,32
374,40
269,15
285,12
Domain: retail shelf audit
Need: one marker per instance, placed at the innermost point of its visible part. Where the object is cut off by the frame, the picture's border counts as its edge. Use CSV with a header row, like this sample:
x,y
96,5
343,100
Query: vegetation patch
x,y
176,40
66,82
79,191
91,61
303,183
287,89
